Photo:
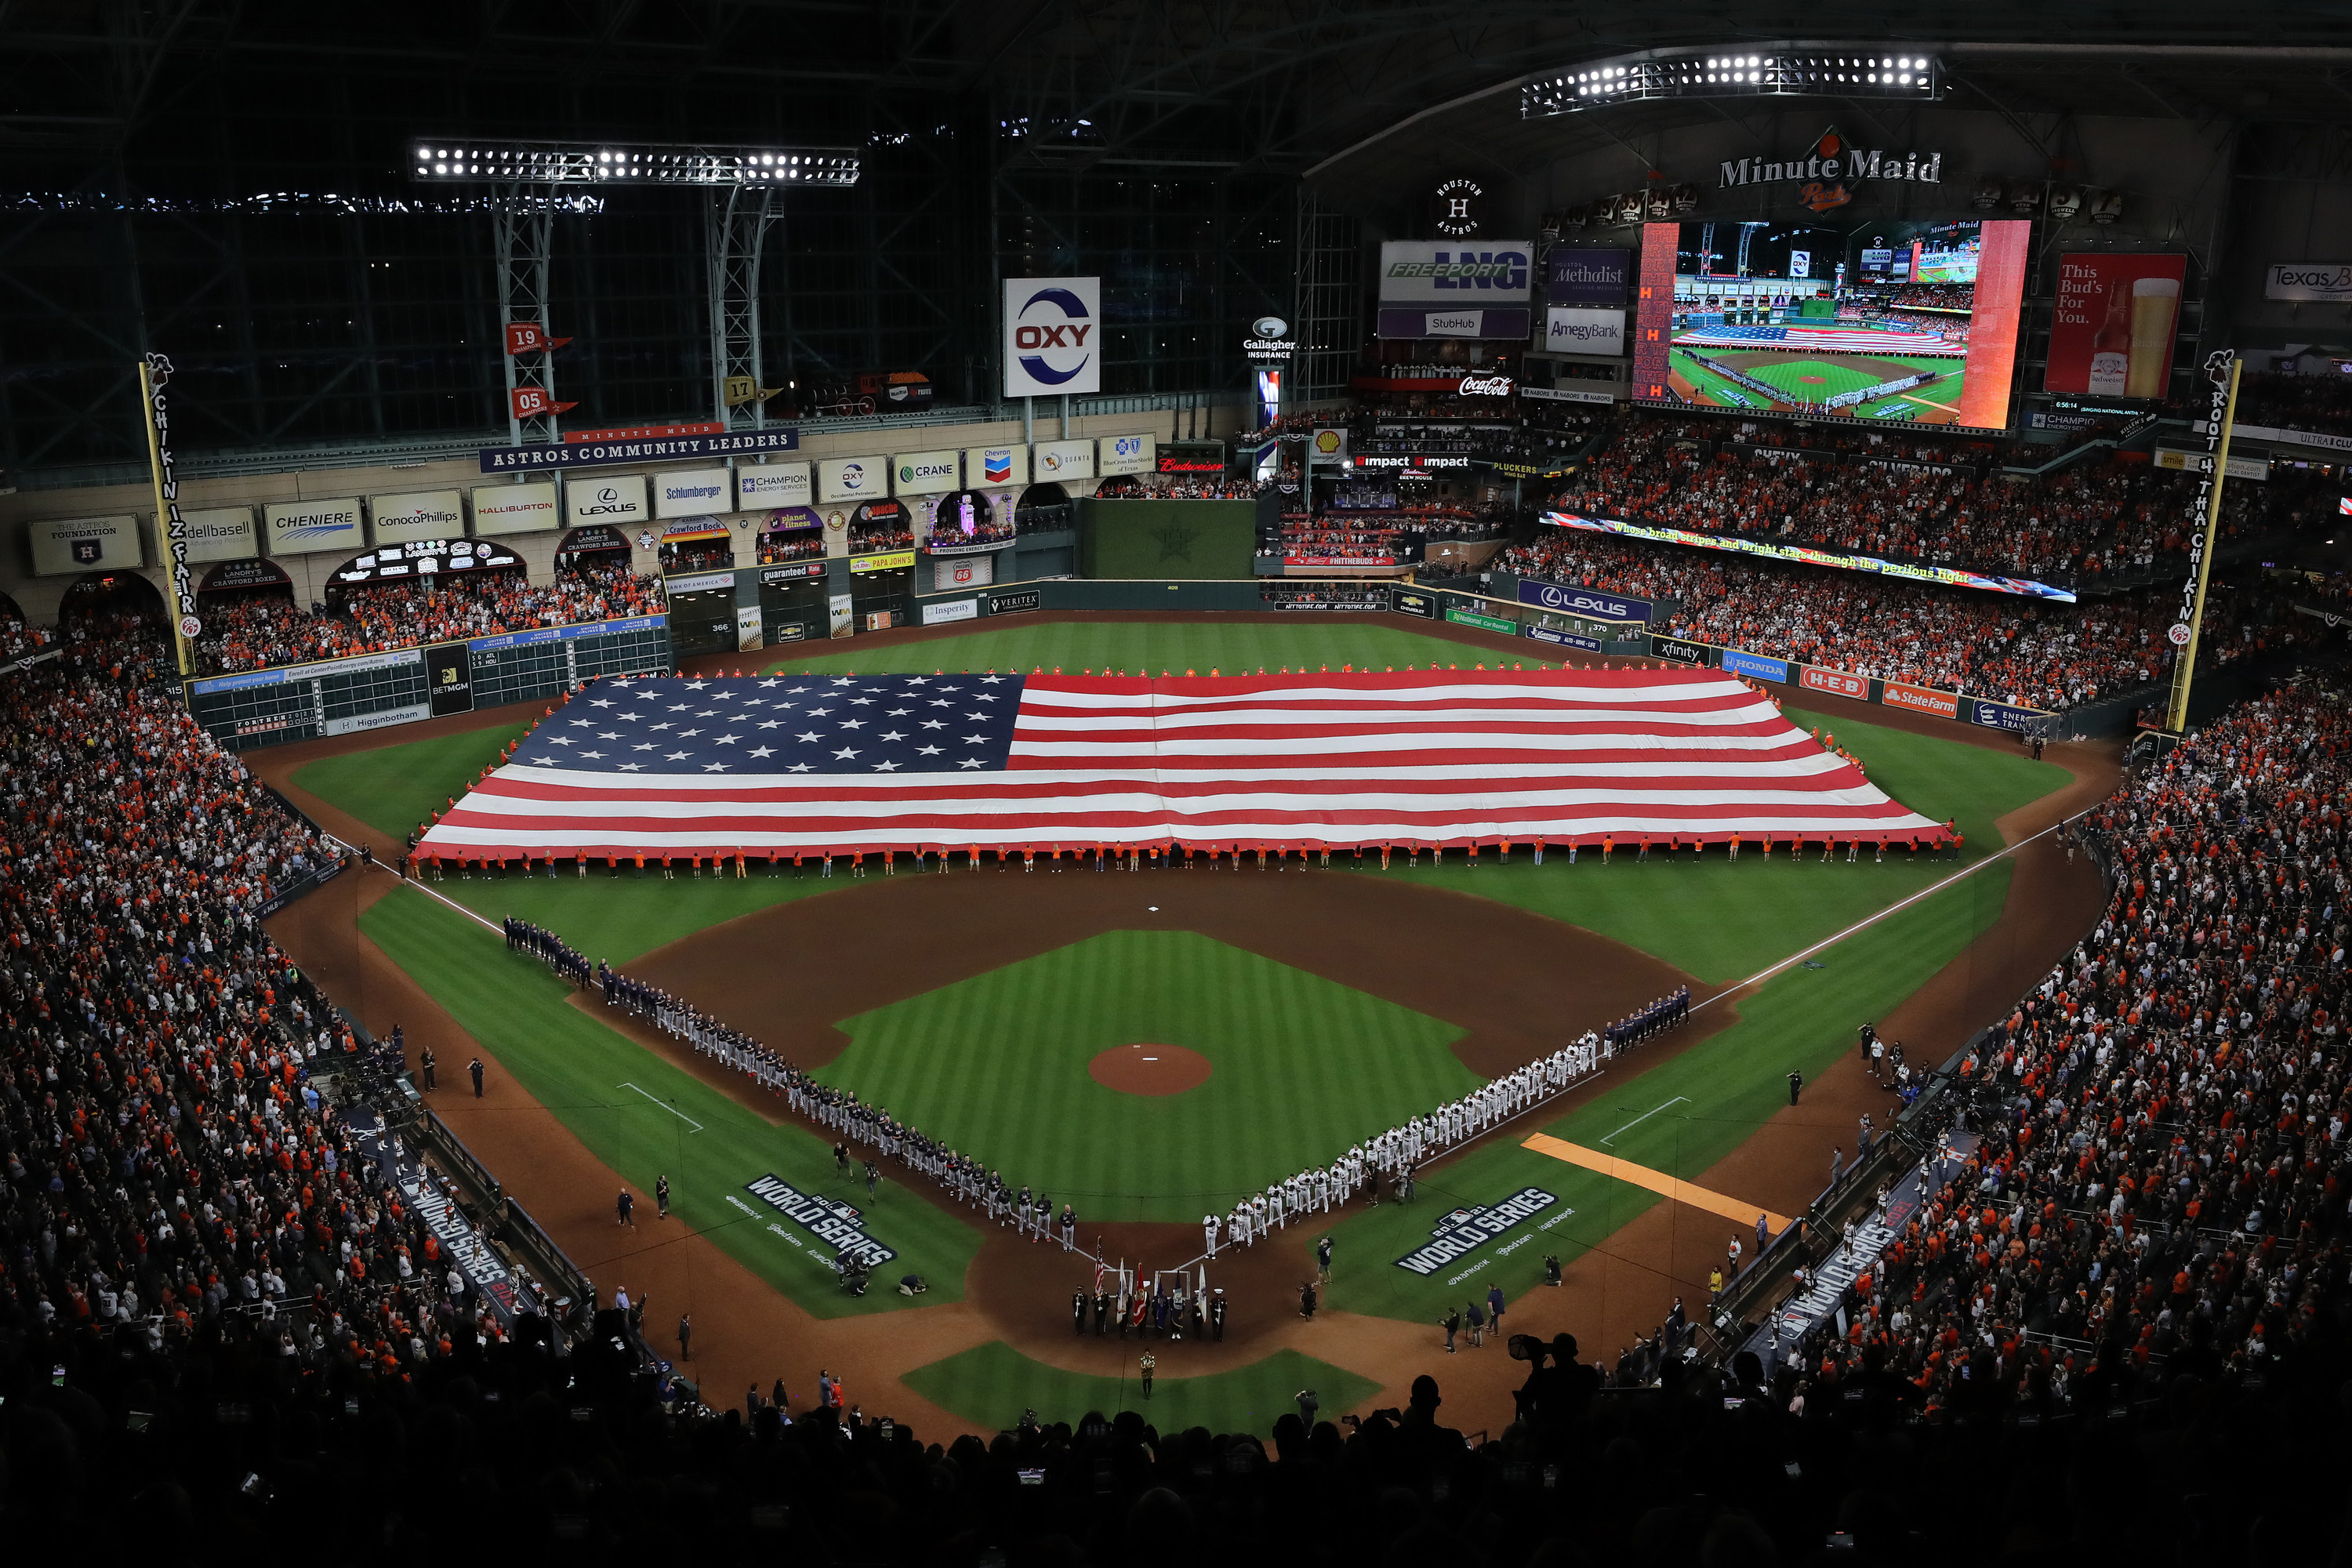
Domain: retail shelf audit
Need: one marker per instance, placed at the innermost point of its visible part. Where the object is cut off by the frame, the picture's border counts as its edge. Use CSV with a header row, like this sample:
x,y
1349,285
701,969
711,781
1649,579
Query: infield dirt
x,y
1484,970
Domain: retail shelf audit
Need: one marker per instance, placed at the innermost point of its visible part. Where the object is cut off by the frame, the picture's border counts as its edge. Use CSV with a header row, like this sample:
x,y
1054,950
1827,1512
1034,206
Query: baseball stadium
x,y
682,869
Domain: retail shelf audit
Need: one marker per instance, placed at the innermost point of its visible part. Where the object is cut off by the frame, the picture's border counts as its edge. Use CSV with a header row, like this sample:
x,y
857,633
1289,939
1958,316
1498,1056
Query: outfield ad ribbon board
x,y
1738,663
1811,555
1921,699
1836,682
1681,650
1466,1230
1483,622
1563,639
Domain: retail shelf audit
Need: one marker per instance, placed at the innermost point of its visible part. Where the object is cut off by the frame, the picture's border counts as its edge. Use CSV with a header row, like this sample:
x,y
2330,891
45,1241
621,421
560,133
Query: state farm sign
x,y
1836,681
1921,699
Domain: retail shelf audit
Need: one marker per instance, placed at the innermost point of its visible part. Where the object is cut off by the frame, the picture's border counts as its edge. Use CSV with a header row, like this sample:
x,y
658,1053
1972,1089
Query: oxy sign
x,y
1051,336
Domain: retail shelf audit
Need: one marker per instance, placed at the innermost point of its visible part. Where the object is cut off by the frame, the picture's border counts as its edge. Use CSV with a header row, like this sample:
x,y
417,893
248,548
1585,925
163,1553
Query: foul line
x,y
481,921
1865,924
665,1105
1678,1099
1658,1182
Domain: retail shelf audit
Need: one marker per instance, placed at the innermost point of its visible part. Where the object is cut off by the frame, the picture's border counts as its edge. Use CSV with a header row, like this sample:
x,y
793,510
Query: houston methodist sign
x,y
1051,336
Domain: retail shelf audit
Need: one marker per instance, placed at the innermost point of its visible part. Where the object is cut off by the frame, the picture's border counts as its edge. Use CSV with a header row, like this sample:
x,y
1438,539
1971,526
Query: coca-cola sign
x,y
1484,386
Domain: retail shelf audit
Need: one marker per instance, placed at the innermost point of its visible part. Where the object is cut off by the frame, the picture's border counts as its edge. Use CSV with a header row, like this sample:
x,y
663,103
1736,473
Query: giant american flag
x,y
792,764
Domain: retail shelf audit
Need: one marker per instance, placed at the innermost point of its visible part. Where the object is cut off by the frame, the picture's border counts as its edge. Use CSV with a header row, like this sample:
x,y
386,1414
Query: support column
x,y
735,236
523,225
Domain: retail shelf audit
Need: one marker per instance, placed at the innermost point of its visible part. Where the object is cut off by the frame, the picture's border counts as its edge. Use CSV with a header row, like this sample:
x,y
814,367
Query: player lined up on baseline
x,y
1395,1154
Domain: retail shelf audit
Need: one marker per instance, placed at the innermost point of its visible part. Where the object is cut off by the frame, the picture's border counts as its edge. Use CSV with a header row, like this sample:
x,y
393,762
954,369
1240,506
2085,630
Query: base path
x,y
1471,964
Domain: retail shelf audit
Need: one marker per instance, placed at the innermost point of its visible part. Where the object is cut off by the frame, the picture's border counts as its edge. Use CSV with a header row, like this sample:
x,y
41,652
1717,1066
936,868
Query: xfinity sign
x,y
1051,336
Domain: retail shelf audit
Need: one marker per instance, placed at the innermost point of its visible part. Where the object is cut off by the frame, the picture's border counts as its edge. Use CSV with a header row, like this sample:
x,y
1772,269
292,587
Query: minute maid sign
x,y
1466,1230
1830,169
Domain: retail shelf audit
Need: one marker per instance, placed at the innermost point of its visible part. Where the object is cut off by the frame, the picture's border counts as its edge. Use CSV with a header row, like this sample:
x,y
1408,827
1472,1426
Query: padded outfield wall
x,y
1165,539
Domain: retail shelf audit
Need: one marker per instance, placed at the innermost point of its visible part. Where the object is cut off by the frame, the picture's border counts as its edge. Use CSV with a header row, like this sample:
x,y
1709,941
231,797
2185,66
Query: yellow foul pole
x,y
170,533
2222,369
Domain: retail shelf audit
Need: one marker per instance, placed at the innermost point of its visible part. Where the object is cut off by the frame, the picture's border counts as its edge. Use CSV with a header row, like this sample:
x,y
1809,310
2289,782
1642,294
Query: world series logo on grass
x,y
1466,1230
831,1221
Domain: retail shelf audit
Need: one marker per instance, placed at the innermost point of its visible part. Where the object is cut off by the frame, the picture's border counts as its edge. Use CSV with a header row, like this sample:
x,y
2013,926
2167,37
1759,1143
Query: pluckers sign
x,y
1831,173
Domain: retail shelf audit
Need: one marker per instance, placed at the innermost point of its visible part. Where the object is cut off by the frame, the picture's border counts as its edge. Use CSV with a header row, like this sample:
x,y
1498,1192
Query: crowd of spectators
x,y
2162,1170
802,544
867,538
262,627
1934,296
682,555
2321,401
1176,487
1913,500
987,531
2028,652
172,1172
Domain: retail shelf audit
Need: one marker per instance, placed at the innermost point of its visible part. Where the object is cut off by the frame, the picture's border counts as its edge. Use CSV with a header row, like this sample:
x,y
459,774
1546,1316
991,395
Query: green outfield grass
x,y
1137,647
637,1114
1679,1117
994,1384
1836,376
1754,912
394,788
1300,1067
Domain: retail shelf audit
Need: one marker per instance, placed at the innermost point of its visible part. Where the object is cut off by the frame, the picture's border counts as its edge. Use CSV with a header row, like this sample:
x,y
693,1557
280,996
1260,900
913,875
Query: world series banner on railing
x,y
1814,556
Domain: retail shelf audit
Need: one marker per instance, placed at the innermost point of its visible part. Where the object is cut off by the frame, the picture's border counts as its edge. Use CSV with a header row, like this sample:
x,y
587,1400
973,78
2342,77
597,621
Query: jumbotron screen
x,y
1888,323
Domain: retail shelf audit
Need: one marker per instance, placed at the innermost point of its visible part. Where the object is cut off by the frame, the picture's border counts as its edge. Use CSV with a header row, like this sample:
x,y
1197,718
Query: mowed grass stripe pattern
x,y
574,1066
1723,922
1137,647
1301,1067
1716,1096
393,789
994,1384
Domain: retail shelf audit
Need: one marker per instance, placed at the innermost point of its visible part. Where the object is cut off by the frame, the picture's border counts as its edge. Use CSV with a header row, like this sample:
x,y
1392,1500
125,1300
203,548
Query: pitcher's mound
x,y
1150,1069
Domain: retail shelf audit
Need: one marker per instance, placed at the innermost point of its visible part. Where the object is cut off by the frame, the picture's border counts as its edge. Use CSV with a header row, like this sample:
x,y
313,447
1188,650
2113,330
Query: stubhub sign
x,y
1583,602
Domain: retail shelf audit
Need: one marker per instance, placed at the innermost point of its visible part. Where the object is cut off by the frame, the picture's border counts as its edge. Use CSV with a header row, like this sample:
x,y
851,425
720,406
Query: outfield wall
x,y
1164,539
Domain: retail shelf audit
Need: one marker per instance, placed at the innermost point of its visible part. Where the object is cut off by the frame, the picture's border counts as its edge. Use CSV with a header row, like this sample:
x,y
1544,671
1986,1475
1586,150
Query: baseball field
x,y
1797,379
1151,1046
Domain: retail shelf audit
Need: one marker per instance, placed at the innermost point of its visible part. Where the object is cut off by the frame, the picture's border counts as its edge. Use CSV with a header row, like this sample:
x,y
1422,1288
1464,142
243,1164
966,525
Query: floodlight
x,y
580,163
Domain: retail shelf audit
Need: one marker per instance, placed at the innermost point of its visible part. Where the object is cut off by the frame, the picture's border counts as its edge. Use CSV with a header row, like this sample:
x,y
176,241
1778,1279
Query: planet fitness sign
x,y
1466,1230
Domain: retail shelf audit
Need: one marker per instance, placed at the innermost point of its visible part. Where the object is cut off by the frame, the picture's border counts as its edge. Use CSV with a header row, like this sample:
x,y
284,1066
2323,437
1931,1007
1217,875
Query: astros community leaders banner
x,y
1053,343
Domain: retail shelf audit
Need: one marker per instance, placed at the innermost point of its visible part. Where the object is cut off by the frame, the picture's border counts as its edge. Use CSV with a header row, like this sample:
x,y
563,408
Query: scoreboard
x,y
375,691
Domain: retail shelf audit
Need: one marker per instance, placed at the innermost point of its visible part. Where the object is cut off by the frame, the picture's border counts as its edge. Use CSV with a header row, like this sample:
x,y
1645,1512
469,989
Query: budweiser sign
x,y
1484,386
